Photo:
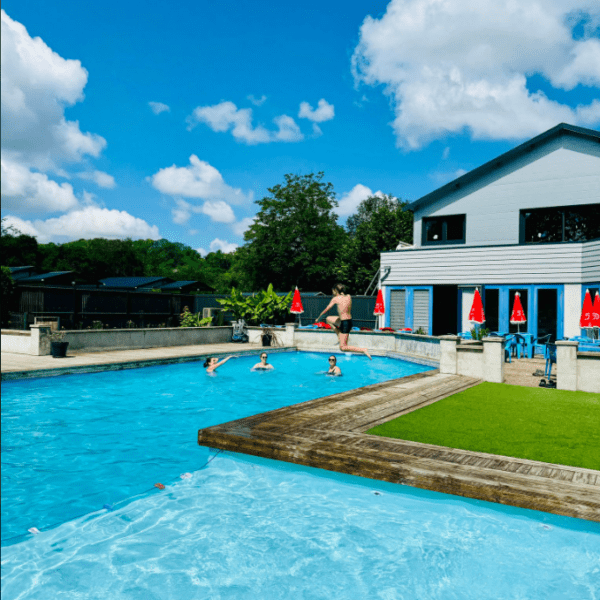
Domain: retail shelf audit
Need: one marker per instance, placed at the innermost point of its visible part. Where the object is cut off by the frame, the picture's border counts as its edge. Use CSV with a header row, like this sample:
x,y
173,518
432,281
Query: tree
x,y
18,249
377,226
295,238
7,289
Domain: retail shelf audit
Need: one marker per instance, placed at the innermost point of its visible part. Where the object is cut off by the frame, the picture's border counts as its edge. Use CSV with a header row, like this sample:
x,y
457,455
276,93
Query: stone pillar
x,y
493,359
448,354
290,328
566,365
40,340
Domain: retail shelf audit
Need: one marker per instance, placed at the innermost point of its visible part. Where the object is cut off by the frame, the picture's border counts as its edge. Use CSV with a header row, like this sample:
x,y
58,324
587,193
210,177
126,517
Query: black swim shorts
x,y
345,326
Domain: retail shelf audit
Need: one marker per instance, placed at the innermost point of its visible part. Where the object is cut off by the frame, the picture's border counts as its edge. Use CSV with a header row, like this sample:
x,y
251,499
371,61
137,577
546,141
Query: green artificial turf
x,y
548,425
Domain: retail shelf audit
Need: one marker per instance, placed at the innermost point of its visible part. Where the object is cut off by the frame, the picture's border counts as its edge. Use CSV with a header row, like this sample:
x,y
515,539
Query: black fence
x,y
83,308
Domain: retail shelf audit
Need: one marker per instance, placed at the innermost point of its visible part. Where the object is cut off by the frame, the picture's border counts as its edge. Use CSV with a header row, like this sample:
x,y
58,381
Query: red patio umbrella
x,y
477,315
379,307
297,307
585,322
596,312
518,314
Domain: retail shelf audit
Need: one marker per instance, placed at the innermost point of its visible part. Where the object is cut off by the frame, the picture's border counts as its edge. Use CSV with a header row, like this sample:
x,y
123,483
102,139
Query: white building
x,y
527,221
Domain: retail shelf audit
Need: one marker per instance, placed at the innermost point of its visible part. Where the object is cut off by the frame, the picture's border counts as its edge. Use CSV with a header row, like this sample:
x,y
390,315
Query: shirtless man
x,y
342,324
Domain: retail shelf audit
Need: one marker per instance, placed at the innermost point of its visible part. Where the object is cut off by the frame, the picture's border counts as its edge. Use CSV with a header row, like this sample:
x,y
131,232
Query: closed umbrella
x,y
476,315
596,313
585,322
297,307
379,307
518,314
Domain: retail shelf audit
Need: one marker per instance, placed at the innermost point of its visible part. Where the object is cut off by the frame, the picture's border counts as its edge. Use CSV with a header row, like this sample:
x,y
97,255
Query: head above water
x,y
209,360
338,288
333,359
263,356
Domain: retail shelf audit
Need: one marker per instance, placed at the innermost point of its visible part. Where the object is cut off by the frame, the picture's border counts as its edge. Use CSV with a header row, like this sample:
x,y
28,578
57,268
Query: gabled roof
x,y
503,159
18,273
178,285
133,283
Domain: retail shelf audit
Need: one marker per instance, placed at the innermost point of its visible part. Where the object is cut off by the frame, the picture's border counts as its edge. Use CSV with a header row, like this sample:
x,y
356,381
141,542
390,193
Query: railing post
x,y
566,365
493,359
448,354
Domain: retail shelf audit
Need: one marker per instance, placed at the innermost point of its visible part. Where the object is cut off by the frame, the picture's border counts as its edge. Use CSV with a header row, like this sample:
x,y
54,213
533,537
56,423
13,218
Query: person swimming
x,y
263,365
212,362
333,368
342,324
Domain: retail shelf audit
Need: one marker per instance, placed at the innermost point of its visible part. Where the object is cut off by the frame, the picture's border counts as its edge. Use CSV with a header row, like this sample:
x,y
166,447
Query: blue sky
x,y
149,120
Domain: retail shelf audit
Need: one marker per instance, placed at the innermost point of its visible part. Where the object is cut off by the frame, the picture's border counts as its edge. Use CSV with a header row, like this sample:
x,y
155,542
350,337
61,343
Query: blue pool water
x,y
74,443
247,529
242,527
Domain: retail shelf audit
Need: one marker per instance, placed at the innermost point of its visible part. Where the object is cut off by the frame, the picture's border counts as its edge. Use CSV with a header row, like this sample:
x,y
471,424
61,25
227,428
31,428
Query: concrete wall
x,y
482,360
306,339
93,340
35,342
577,370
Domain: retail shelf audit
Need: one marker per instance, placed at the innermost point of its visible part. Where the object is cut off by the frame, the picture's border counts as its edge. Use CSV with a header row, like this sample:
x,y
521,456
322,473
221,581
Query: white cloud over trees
x,y
463,65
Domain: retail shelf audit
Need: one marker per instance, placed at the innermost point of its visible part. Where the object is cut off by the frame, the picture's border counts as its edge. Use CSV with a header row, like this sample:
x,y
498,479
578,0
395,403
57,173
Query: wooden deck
x,y
329,433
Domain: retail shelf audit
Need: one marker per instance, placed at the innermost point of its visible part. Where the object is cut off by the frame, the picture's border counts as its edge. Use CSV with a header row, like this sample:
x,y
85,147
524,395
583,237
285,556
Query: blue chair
x,y
539,345
465,335
510,347
550,356
582,339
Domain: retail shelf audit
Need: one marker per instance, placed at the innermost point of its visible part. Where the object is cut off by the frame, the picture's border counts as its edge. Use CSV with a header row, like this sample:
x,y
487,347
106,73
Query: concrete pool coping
x,y
329,433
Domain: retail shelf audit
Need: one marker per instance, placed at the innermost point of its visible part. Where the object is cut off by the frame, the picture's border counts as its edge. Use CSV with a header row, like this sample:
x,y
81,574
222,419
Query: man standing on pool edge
x,y
342,324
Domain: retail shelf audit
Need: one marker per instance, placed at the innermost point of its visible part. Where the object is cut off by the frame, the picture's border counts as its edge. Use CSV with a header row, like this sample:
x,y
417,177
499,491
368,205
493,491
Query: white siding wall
x,y
573,301
566,171
547,263
467,301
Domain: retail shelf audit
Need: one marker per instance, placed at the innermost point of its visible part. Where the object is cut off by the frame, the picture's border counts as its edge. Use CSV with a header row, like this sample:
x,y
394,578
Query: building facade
x,y
527,221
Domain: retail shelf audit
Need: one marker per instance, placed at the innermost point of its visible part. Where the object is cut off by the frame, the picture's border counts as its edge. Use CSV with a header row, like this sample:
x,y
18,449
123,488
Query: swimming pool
x,y
71,444
244,527
248,528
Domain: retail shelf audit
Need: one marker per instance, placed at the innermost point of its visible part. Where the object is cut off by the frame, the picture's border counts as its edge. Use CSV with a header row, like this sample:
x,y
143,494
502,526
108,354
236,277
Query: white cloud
x,y
227,117
240,227
222,245
159,107
202,252
350,200
442,177
100,178
218,211
37,85
446,153
24,191
88,222
257,101
450,66
198,180
323,112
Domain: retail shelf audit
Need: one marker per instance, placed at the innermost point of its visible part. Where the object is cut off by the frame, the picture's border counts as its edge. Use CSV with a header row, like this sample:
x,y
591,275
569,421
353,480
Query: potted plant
x,y
58,346
270,337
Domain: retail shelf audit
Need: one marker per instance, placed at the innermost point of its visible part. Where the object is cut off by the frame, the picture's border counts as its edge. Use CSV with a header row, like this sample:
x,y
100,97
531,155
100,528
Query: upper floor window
x,y
560,224
444,230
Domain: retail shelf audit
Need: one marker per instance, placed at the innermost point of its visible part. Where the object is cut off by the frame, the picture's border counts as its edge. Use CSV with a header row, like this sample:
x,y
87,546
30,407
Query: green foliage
x,y
295,238
264,307
378,225
7,287
478,333
18,249
189,319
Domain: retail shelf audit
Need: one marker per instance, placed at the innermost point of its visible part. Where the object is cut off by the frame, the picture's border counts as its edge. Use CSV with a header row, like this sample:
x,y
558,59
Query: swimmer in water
x,y
211,363
342,324
263,365
333,368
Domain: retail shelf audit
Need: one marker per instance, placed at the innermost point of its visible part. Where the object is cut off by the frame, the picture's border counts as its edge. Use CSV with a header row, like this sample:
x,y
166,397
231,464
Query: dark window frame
x,y
444,222
563,210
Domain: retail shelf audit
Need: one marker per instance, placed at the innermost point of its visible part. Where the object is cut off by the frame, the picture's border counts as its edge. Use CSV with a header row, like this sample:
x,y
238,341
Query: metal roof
x,y
133,282
503,159
177,285
44,276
